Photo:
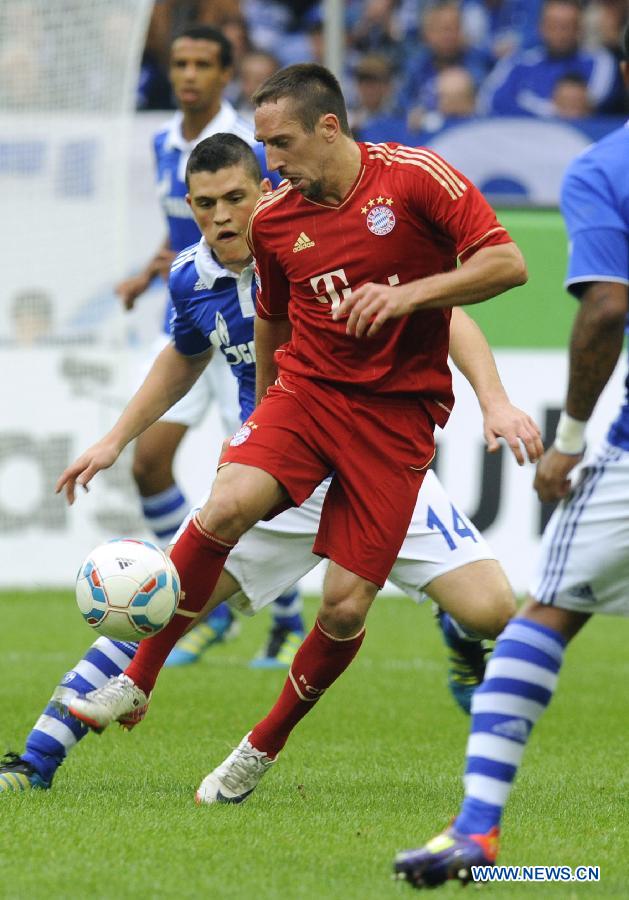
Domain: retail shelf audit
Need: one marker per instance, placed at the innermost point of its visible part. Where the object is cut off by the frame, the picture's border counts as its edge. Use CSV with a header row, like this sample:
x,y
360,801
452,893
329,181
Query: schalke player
x,y
443,555
584,565
200,68
362,376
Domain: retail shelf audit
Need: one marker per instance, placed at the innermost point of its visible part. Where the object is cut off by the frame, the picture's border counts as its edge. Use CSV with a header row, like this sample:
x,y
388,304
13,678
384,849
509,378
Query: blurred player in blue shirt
x,y
200,69
443,47
584,564
523,83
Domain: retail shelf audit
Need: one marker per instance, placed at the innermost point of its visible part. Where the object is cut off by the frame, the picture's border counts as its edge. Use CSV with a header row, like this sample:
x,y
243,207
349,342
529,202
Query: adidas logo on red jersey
x,y
302,243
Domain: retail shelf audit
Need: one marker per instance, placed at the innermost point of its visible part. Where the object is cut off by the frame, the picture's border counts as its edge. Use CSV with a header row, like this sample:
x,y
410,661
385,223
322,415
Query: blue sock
x,y
519,684
287,611
55,734
454,632
220,618
164,513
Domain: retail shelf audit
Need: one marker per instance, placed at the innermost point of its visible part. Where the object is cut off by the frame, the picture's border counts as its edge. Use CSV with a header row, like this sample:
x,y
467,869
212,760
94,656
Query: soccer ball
x,y
127,589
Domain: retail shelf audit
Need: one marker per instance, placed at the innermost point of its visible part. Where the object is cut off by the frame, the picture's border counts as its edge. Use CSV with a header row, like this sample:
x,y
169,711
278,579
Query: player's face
x,y
222,203
196,74
300,156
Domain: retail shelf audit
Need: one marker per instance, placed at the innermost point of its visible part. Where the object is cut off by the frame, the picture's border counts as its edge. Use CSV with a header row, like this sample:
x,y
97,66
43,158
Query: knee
x,y
342,616
225,514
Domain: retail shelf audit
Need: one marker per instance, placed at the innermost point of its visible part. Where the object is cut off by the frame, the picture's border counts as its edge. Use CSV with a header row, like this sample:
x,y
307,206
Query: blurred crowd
x,y
423,61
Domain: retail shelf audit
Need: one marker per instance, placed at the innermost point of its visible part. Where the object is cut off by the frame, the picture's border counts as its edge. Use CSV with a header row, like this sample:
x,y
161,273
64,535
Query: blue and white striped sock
x,y
519,684
164,513
55,733
286,611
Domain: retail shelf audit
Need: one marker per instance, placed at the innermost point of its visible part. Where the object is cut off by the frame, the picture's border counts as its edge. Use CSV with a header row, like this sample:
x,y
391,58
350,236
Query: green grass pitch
x,y
374,769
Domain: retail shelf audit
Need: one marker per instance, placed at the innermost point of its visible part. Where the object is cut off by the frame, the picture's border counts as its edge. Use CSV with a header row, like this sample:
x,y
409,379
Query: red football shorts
x,y
376,448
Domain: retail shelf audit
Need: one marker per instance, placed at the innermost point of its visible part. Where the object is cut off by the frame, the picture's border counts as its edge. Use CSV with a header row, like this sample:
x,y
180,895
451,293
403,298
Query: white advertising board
x,y
56,401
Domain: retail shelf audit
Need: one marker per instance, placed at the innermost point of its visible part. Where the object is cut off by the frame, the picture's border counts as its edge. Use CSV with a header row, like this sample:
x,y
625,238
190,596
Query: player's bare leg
x,y
324,655
241,495
153,456
474,601
478,595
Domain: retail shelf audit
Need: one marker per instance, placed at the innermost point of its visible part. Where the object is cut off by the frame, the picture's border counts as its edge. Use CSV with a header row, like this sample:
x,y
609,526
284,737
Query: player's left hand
x,y
371,305
551,479
519,430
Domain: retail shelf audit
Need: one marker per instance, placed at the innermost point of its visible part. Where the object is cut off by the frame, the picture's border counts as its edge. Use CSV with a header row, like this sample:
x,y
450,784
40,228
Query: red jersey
x,y
408,215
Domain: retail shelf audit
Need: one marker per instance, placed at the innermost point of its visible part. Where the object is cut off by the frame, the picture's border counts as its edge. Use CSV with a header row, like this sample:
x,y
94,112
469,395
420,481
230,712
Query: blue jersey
x,y
595,206
171,157
214,308
522,83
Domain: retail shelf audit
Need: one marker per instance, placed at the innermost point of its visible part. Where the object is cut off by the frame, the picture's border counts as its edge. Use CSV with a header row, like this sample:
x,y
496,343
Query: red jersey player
x,y
357,262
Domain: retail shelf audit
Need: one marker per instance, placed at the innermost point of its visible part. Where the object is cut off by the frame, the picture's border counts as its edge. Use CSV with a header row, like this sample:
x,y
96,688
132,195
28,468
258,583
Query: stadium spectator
x,y
374,89
282,28
500,27
255,68
20,55
456,99
570,98
456,93
236,30
523,83
377,30
444,47
315,42
32,317
605,21
583,565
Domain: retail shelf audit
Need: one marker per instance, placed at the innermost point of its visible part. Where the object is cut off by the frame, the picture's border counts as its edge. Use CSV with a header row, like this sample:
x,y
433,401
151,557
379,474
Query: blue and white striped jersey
x,y
595,207
214,307
171,157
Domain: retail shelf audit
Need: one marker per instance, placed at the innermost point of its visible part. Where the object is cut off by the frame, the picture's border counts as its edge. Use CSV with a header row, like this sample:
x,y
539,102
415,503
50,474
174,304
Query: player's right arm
x,y
159,265
171,377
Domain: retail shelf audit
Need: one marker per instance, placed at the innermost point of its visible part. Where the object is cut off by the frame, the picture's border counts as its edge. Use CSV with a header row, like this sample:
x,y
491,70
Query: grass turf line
x,y
374,769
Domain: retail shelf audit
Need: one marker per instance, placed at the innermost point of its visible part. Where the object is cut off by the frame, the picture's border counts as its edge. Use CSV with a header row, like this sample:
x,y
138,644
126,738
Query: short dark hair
x,y
222,151
214,36
313,89
625,43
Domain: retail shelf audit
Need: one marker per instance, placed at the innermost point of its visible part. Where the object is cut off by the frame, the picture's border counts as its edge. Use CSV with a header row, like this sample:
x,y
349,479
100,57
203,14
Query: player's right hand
x,y
101,456
130,289
551,478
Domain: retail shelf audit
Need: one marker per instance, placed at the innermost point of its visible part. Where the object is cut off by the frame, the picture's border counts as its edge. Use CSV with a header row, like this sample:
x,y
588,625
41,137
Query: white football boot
x,y
236,777
118,700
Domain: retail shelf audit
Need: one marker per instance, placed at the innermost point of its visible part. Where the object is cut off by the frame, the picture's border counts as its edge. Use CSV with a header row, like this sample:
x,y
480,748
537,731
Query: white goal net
x,y
68,76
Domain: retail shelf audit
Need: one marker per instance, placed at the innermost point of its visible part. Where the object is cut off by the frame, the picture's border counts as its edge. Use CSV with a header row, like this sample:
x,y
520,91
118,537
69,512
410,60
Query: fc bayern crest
x,y
240,437
380,220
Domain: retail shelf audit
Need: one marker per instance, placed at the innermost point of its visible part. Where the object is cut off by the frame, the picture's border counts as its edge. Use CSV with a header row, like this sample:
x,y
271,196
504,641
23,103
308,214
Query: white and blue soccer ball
x,y
127,589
